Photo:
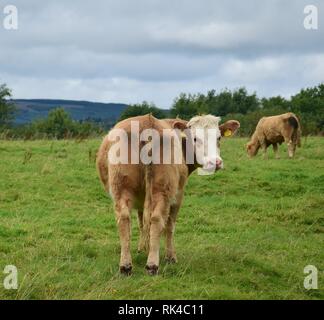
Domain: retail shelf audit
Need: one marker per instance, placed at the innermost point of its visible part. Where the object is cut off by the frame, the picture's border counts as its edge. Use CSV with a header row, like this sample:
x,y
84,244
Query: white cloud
x,y
128,51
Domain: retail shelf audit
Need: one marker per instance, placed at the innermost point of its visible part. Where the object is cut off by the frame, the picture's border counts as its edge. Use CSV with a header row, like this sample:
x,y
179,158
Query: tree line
x,y
237,104
57,125
247,108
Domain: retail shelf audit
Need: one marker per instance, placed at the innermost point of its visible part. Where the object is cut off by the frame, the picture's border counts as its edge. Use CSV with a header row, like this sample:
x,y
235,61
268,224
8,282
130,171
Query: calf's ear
x,y
229,128
181,125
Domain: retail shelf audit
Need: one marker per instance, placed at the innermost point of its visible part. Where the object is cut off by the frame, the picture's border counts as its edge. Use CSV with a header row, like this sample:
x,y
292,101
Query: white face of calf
x,y
206,134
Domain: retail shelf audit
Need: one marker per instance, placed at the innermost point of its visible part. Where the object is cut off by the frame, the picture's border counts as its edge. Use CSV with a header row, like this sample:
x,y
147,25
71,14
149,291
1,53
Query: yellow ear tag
x,y
227,133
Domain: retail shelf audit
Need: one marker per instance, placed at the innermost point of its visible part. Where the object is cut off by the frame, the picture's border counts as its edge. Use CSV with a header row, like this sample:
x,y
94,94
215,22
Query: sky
x,y
129,51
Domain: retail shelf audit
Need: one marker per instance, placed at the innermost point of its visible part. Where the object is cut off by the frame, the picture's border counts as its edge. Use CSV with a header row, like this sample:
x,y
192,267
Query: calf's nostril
x,y
219,162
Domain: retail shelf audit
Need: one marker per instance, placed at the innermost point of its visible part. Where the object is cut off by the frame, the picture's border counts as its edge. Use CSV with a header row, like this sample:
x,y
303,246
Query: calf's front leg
x,y
141,242
275,150
170,250
171,256
264,148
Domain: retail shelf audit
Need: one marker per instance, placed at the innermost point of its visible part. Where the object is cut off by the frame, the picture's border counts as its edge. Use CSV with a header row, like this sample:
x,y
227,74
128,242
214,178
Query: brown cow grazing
x,y
274,130
154,188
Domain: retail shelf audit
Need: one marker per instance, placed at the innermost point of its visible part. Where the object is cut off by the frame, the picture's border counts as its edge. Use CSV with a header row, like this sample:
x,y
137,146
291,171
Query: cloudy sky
x,y
129,51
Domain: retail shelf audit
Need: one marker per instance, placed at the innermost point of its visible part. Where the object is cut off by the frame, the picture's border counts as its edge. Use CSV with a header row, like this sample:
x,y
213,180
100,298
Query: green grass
x,y
245,233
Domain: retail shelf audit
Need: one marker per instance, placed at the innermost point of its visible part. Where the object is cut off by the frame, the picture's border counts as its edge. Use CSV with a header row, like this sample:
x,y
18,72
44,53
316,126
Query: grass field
x,y
245,233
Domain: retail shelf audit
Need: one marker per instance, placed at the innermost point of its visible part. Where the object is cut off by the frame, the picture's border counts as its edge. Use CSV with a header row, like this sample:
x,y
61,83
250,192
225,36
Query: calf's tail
x,y
147,206
296,137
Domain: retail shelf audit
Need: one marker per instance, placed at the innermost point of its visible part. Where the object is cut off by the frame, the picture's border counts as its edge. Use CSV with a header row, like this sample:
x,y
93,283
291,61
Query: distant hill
x,y
31,109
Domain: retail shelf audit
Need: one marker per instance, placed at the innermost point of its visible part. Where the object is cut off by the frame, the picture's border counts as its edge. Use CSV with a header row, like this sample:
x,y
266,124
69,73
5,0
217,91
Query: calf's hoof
x,y
171,260
126,269
152,270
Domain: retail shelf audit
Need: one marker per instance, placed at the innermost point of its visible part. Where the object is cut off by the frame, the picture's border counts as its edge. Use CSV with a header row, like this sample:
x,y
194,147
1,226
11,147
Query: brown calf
x,y
274,130
154,190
